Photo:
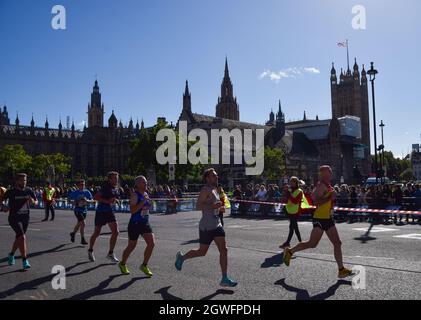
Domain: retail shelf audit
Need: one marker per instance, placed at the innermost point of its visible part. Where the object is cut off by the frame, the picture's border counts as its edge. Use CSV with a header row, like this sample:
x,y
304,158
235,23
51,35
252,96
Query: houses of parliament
x,y
343,141
94,151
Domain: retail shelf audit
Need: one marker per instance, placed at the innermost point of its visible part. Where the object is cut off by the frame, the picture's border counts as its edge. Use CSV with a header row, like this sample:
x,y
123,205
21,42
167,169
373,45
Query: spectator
x,y
261,196
49,196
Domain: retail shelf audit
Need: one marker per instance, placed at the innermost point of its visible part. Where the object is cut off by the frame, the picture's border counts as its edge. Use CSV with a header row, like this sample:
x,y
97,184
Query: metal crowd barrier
x,y
158,206
362,211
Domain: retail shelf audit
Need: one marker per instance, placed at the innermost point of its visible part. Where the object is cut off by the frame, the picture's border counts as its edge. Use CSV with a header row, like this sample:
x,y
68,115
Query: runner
x,y
139,226
107,197
19,200
49,199
210,228
2,192
324,197
296,201
81,198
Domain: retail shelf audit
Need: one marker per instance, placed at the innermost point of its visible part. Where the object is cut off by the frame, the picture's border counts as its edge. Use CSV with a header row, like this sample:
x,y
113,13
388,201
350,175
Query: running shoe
x,y
112,257
287,256
123,268
72,236
83,241
228,282
344,272
91,256
285,245
146,270
11,259
179,261
26,264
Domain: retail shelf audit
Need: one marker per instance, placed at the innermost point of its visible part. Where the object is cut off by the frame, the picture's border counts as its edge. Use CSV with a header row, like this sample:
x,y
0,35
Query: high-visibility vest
x,y
293,208
325,210
227,203
49,193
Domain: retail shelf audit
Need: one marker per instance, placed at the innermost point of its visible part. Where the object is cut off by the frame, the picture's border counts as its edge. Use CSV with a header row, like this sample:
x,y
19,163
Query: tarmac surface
x,y
390,257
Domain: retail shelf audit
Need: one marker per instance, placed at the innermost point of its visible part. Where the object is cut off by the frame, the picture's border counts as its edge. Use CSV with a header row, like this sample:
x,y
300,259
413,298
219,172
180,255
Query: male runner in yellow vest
x,y
296,201
324,197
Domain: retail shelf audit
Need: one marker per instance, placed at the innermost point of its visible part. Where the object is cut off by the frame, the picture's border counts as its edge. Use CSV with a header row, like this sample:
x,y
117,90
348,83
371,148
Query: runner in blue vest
x,y
81,198
139,226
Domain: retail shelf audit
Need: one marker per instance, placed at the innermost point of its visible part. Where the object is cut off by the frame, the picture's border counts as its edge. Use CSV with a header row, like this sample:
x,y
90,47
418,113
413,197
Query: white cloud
x,y
292,72
80,125
312,70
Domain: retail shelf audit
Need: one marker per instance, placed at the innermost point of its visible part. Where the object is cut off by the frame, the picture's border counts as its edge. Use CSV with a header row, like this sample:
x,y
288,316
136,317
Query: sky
x,y
142,52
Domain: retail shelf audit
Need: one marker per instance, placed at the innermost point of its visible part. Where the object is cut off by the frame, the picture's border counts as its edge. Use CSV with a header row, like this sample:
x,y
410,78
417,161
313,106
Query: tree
x,y
13,159
42,162
274,164
143,156
407,175
394,166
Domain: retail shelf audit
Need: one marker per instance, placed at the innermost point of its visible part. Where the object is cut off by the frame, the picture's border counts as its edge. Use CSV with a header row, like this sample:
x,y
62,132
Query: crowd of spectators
x,y
391,196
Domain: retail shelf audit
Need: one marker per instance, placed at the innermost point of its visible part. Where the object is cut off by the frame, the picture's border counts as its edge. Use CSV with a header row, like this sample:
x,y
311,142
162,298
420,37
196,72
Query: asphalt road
x,y
391,258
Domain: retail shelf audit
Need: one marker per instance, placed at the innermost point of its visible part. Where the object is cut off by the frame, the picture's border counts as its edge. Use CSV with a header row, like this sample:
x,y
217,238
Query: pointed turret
x,y
187,98
356,71
226,72
227,106
333,78
112,120
96,108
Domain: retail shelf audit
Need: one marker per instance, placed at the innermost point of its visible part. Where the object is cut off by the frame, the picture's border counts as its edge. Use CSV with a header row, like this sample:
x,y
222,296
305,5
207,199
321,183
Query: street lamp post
x,y
372,73
382,125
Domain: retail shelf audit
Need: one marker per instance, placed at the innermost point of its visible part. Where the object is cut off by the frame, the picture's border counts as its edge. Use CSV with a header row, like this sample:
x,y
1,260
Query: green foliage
x,y
13,159
143,157
407,175
274,164
395,167
42,162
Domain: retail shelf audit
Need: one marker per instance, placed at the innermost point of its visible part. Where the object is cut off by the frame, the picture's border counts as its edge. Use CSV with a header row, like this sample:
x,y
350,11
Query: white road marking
x,y
331,255
416,236
375,229
8,227
255,228
238,226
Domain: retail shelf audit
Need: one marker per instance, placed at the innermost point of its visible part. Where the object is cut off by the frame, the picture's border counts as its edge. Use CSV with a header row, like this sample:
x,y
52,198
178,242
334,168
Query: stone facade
x,y
94,151
308,143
